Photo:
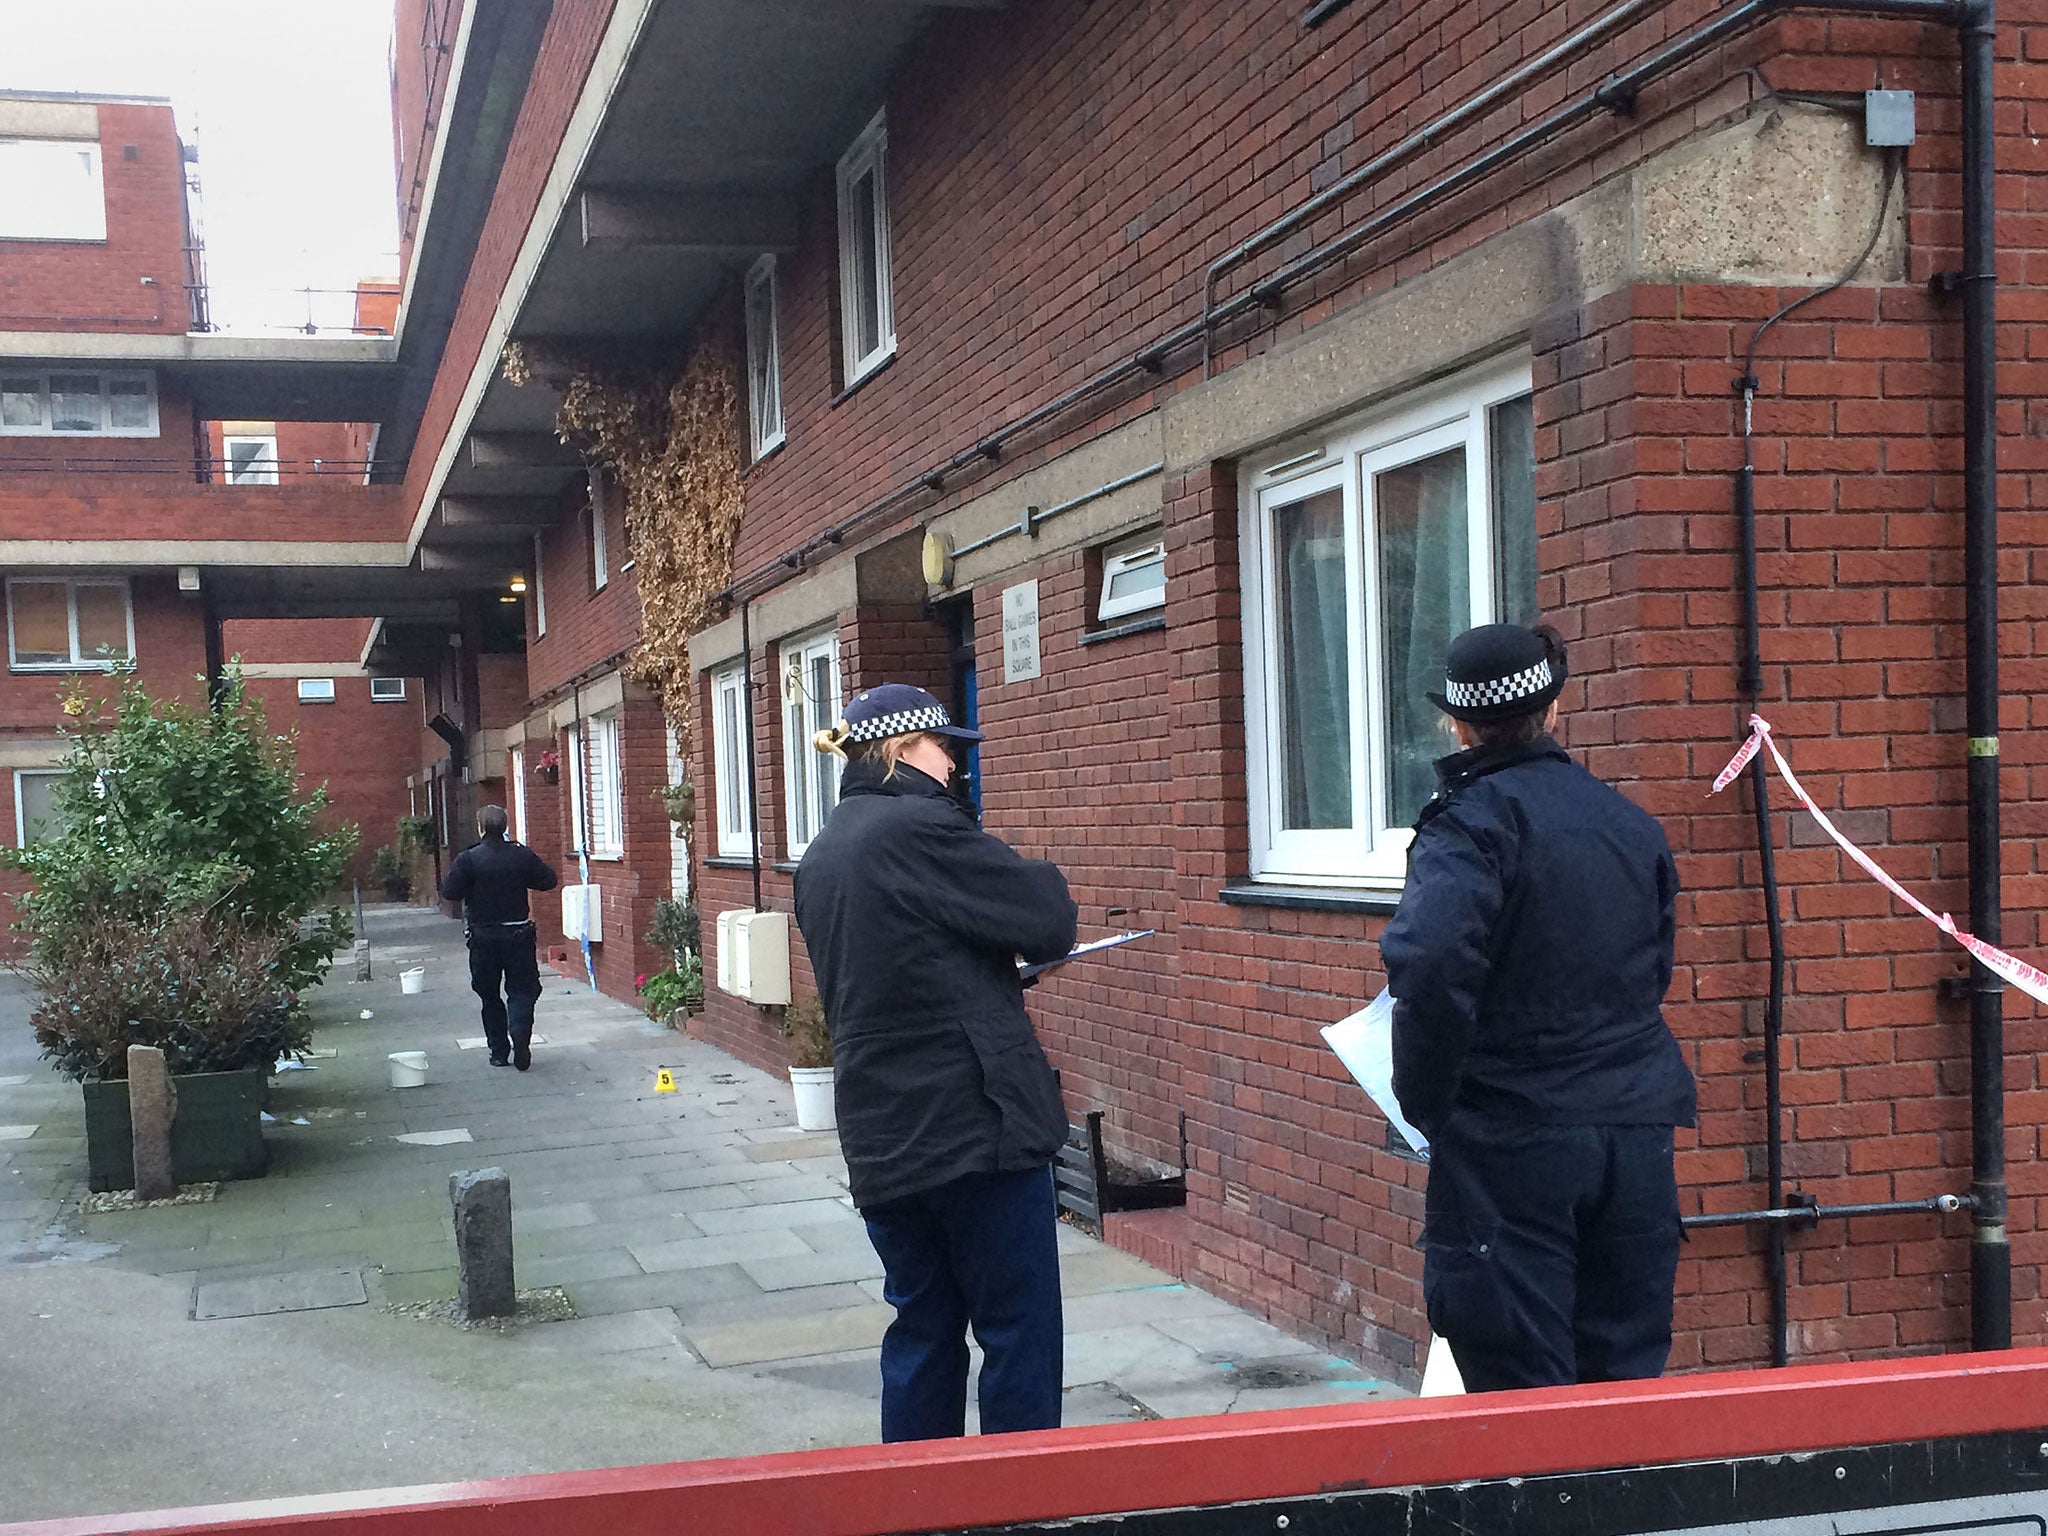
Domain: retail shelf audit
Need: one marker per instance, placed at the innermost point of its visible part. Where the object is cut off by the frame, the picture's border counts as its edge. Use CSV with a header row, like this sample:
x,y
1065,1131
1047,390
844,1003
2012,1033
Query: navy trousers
x,y
980,1252
1550,1251
506,957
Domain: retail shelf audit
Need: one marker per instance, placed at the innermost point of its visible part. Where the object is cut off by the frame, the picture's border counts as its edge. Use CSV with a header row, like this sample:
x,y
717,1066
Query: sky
x,y
289,103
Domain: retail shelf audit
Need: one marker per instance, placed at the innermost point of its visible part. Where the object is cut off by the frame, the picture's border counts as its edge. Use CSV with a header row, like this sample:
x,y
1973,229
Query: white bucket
x,y
414,981
408,1069
813,1089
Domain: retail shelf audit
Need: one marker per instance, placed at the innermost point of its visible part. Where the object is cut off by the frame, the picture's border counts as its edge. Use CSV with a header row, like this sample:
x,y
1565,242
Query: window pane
x,y
823,712
21,402
802,804
1131,580
75,402
103,622
252,460
1313,663
42,622
1512,438
128,404
1425,599
38,806
731,791
867,300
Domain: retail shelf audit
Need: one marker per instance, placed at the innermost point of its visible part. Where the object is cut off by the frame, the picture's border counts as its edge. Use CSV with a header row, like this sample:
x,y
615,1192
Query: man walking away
x,y
949,1113
491,881
1528,963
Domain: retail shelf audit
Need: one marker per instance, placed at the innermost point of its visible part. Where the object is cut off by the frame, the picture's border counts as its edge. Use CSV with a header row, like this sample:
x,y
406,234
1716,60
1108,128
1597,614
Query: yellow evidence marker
x,y
664,1081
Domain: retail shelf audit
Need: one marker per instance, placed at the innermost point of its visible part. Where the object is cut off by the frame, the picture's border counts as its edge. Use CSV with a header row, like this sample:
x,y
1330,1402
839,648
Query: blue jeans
x,y
981,1252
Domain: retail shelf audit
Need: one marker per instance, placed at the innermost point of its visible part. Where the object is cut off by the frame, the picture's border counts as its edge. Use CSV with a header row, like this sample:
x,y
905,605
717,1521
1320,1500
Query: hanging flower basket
x,y
548,766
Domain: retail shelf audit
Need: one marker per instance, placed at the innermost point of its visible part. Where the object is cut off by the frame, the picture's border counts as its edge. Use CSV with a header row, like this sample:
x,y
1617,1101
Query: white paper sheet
x,y
1364,1042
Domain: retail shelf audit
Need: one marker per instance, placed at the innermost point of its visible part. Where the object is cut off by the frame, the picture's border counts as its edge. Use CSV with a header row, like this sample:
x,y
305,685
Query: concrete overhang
x,y
237,378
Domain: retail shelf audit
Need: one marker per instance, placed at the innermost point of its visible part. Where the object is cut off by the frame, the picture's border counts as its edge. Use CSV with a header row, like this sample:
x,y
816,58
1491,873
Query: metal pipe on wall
x,y
753,776
1990,1249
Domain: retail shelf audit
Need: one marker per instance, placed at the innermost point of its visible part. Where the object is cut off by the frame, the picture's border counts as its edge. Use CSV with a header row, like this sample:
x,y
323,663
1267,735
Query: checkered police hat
x,y
1499,671
897,709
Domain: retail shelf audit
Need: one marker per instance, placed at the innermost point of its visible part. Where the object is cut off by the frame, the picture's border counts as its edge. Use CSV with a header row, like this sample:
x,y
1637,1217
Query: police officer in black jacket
x,y
949,1114
1528,962
491,880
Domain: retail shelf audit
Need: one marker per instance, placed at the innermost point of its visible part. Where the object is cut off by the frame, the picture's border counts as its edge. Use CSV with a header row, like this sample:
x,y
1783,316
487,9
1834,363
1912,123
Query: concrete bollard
x,y
152,1106
362,958
483,1242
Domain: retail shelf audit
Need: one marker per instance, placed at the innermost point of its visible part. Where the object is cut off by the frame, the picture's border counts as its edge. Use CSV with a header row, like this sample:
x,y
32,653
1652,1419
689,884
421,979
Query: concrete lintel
x,y
145,554
608,692
33,752
521,450
108,347
303,669
514,516
712,221
483,563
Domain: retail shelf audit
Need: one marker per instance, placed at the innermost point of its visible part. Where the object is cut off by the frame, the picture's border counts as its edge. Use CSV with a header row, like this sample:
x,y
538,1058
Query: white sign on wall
x,y
1020,632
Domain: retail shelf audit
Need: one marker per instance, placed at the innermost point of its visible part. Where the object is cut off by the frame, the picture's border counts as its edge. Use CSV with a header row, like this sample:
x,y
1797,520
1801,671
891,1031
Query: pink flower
x,y
640,980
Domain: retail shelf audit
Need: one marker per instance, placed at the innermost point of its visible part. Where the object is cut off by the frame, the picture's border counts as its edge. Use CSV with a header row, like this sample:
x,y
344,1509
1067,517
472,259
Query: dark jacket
x,y
491,881
1532,950
915,918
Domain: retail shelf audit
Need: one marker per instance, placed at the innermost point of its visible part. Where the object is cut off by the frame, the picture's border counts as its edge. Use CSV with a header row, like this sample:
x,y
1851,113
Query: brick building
x,y
1163,387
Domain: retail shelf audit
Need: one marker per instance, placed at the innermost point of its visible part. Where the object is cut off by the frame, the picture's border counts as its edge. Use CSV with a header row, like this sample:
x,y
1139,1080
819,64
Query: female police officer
x,y
1528,963
949,1115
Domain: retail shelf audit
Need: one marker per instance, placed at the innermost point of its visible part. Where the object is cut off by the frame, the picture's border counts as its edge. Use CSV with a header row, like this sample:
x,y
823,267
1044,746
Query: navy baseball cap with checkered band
x,y
1499,671
897,709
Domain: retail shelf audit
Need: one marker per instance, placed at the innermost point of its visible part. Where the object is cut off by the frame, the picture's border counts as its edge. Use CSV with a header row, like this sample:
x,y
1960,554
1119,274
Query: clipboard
x,y
1364,1042
1094,947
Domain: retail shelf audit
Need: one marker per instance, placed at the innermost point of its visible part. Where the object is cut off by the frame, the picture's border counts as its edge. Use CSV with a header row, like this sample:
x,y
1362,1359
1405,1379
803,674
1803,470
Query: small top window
x,y
250,460
54,190
600,564
316,690
764,363
867,317
1133,577
387,690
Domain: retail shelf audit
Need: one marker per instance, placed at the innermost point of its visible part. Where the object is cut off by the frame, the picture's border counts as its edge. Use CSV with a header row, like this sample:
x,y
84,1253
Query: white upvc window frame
x,y
810,703
1372,852
679,842
261,469
104,380
20,809
88,210
540,594
764,359
1132,554
316,690
729,758
600,563
75,662
594,749
518,806
387,698
868,154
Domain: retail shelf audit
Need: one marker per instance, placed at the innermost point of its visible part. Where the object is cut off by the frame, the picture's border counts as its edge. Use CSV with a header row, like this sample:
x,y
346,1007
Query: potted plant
x,y
680,801
176,903
661,994
810,1064
548,766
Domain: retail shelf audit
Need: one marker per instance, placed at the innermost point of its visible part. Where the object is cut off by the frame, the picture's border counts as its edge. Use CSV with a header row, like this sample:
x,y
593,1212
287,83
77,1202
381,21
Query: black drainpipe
x,y
1990,1250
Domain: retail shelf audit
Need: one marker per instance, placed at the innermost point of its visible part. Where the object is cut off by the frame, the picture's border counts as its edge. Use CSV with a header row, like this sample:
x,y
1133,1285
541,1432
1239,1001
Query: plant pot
x,y
813,1089
216,1134
548,775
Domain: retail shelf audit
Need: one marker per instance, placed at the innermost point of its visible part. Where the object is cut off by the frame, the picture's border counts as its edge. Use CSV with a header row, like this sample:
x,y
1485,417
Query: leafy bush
x,y
810,1040
167,812
387,871
206,989
414,836
662,993
675,927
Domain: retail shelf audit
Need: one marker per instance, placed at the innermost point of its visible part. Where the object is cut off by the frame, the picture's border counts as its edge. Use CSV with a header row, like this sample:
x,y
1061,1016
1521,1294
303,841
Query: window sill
x,y
728,861
846,394
1130,627
1309,898
58,667
768,451
785,866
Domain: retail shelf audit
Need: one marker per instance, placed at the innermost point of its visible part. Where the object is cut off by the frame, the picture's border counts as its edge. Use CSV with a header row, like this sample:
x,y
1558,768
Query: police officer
x,y
491,879
1528,962
949,1114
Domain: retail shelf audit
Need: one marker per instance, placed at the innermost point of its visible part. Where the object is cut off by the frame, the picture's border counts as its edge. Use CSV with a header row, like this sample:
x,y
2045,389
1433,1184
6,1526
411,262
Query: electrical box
x,y
582,913
753,956
1887,119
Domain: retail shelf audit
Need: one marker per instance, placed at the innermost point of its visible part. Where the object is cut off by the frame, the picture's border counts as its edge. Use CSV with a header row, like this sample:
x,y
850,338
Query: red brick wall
x,y
423,36
64,285
148,506
359,749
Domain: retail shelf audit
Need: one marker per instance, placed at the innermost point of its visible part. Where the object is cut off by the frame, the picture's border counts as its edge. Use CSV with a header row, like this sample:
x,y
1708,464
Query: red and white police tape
x,y
2027,978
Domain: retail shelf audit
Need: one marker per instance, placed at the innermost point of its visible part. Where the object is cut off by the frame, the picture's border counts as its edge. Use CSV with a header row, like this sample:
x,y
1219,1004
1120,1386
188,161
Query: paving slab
x,y
791,1271
726,1248
297,1291
750,1343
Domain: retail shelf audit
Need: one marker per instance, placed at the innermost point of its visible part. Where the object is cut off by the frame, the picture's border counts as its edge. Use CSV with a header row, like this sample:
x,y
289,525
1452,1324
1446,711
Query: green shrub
x,y
675,927
387,871
662,993
414,836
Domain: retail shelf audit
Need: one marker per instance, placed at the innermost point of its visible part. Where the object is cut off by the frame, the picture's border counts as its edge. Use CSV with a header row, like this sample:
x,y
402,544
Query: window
x,y
518,805
594,778
250,460
679,843
764,359
540,594
1363,557
35,807
63,626
1133,577
77,403
867,320
600,570
810,700
316,690
387,690
50,189
729,725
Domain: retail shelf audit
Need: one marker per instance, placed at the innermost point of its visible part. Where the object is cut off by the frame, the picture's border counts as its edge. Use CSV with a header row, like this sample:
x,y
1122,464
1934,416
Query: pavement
x,y
726,1300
